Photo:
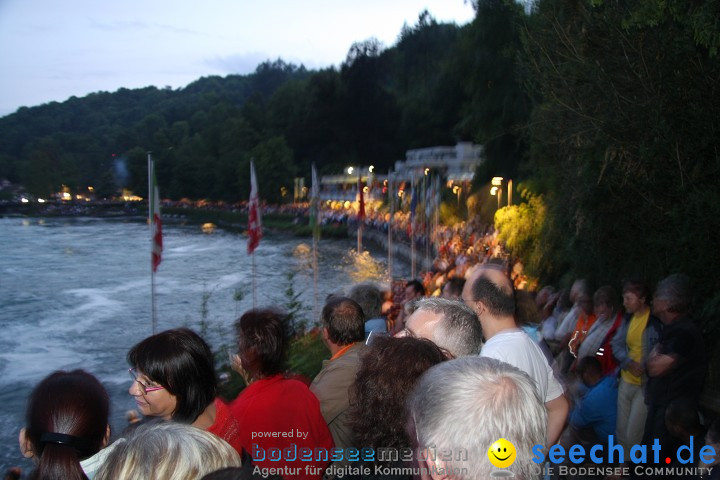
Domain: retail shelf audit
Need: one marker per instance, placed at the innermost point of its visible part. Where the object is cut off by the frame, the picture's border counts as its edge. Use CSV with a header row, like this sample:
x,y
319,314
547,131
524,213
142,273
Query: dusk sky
x,y
51,50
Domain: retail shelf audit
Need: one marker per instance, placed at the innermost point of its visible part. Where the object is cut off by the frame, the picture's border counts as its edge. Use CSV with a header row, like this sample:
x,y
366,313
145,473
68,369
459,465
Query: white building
x,y
457,164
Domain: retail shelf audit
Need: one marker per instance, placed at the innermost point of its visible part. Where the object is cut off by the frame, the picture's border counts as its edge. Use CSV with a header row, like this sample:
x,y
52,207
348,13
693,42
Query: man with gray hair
x,y
461,408
677,364
450,325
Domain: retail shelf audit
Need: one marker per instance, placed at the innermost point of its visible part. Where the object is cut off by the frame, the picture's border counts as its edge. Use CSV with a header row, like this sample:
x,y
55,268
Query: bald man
x,y
489,292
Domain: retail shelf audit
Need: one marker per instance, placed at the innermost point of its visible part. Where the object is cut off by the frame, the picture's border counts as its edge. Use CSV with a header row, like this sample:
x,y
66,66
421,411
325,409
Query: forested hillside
x,y
606,114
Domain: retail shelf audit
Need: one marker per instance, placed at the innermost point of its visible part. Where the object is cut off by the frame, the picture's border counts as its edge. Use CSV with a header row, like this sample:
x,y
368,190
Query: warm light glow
x,y
385,183
493,190
427,170
366,189
346,204
371,168
350,170
455,189
66,196
79,197
497,181
401,193
91,189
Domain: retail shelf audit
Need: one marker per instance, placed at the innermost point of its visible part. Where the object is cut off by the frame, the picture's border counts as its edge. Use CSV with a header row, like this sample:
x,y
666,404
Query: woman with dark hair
x,y
174,379
274,412
66,422
389,370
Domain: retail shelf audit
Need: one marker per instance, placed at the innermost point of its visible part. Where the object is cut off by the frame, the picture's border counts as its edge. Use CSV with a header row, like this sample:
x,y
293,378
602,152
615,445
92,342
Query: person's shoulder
x,y
609,382
292,386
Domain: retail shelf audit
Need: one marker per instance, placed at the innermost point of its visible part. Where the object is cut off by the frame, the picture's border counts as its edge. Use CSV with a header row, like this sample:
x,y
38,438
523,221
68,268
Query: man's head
x,y
605,302
369,297
579,287
343,321
452,290
414,289
673,298
489,292
589,370
635,295
450,325
543,295
465,405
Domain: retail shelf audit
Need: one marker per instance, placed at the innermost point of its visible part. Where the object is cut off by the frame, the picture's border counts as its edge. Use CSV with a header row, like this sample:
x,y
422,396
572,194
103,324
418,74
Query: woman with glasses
x,y
174,379
66,425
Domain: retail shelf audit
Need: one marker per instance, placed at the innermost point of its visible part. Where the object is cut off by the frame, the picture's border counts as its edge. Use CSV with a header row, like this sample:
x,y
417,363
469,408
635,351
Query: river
x,y
75,293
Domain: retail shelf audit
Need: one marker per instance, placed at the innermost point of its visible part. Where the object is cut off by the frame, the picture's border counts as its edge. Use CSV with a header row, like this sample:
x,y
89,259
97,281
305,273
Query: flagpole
x,y
360,220
254,228
391,201
151,209
412,227
254,286
315,207
426,220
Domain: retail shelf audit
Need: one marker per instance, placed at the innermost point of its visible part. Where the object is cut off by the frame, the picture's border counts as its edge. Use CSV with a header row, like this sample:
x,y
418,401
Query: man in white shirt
x,y
489,292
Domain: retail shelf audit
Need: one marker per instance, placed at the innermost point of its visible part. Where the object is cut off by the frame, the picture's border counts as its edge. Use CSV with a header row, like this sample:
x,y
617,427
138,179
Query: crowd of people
x,y
426,393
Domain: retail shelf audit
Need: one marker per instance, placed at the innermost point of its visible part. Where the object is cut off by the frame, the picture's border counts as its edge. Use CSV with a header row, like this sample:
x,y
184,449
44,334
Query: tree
x,y
624,136
497,111
274,169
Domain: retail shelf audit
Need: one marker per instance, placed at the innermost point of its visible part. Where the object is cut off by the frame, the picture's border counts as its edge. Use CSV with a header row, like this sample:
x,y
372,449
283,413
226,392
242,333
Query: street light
x,y
497,191
350,170
457,189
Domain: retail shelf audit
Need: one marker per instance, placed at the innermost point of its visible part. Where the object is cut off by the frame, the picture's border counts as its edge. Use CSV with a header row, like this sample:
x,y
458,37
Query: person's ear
x,y
106,440
25,444
325,334
479,307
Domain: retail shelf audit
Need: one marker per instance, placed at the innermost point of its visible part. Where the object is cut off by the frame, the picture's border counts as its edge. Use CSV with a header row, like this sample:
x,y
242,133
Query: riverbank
x,y
230,220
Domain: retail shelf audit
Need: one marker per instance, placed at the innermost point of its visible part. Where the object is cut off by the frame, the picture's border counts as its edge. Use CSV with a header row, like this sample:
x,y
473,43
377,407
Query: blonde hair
x,y
168,451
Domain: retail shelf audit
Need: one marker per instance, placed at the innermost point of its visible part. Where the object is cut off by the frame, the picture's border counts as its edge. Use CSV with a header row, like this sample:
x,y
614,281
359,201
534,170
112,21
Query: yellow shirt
x,y
634,344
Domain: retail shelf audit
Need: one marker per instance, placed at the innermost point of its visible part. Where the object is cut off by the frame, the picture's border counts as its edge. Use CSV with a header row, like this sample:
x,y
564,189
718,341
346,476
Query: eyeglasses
x,y
143,388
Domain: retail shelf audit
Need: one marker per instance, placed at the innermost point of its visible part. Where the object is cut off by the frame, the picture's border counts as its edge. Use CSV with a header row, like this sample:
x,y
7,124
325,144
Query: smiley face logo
x,y
502,453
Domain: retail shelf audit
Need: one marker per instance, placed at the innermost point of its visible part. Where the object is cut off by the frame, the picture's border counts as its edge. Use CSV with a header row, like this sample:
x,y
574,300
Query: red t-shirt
x,y
280,413
226,426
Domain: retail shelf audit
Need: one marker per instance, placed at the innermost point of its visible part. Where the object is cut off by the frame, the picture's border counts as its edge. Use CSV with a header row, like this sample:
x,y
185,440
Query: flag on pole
x,y
254,224
315,202
413,199
156,221
361,208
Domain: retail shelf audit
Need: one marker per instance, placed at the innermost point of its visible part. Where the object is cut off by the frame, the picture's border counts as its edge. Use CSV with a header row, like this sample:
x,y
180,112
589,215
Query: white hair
x,y
168,451
465,405
458,331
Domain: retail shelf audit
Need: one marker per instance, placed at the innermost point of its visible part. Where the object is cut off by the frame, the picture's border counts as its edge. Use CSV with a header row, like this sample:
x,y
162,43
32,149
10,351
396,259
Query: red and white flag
x,y
156,222
254,224
361,201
